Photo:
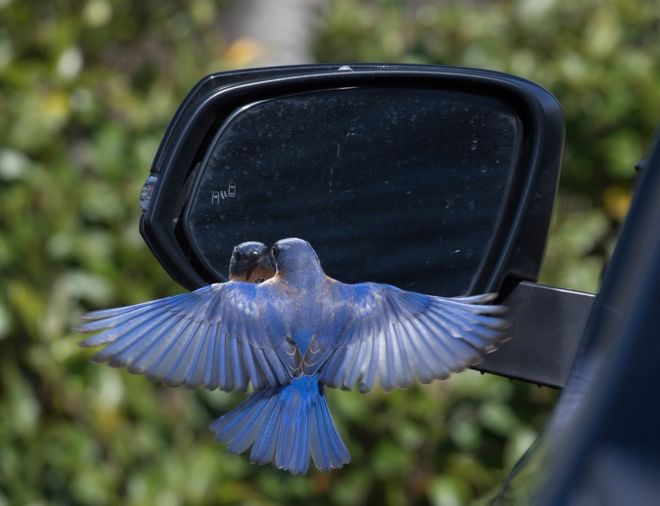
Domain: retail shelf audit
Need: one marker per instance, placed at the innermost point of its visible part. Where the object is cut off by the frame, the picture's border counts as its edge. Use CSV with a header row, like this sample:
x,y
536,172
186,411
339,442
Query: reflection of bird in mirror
x,y
251,262
291,336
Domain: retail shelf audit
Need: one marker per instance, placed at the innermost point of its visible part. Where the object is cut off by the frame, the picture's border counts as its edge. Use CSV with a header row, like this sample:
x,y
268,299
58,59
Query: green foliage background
x,y
86,91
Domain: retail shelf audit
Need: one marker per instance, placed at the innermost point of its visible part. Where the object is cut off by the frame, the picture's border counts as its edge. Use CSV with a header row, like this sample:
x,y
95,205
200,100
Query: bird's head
x,y
294,257
250,261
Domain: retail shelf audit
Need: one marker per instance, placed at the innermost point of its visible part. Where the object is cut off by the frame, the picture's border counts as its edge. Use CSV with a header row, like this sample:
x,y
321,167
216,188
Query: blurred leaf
x,y
20,407
499,418
448,491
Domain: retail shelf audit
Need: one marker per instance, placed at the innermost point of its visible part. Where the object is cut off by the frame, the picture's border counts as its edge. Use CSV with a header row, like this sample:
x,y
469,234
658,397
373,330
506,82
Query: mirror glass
x,y
402,186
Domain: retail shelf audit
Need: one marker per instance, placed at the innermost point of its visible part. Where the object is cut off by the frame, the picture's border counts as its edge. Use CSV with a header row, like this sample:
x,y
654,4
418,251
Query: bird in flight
x,y
290,337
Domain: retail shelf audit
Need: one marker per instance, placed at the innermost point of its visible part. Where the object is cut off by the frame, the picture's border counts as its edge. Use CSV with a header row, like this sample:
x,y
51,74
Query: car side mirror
x,y
435,179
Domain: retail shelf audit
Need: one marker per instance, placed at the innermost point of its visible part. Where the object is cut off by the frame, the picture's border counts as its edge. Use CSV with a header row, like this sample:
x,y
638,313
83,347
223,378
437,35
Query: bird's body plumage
x,y
288,337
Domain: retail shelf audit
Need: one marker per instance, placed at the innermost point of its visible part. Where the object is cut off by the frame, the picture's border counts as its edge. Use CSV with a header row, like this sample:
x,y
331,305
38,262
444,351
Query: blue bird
x,y
290,337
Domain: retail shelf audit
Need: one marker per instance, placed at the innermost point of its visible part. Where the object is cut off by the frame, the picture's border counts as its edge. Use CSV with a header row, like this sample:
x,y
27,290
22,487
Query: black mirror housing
x,y
360,160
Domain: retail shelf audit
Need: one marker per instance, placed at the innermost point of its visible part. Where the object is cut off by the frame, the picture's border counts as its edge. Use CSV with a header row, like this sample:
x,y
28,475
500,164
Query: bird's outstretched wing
x,y
399,337
217,336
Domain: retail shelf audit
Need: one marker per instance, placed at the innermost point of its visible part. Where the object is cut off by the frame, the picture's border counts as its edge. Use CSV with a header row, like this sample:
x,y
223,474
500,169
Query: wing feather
x,y
398,337
220,336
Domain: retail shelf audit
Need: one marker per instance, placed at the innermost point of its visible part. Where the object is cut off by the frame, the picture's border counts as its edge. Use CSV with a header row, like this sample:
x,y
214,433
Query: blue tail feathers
x,y
284,425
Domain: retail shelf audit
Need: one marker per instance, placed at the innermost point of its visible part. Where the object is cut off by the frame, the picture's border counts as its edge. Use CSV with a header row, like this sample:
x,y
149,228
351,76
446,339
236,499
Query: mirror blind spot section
x,y
394,185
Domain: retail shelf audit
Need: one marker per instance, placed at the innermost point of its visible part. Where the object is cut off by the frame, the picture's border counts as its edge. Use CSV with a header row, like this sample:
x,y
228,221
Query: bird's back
x,y
310,312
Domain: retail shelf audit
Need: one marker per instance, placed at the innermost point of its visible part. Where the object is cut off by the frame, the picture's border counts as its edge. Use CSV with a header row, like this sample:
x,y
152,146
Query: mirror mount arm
x,y
547,326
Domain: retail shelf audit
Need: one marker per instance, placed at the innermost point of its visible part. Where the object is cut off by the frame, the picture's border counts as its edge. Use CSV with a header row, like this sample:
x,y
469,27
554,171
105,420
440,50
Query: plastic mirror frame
x,y
517,247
